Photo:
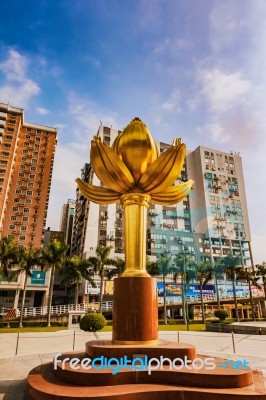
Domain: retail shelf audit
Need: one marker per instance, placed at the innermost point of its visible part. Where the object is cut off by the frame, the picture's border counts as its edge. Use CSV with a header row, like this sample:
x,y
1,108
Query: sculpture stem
x,y
135,207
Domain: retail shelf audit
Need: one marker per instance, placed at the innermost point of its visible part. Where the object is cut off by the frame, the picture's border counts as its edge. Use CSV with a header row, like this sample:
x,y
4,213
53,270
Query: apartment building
x,y
26,163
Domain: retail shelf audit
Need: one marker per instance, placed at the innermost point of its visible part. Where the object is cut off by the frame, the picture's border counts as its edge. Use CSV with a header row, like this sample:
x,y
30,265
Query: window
x,y
26,210
21,174
22,237
5,153
3,162
19,183
18,191
33,168
23,159
23,228
13,218
15,209
8,137
38,131
22,166
2,171
27,201
7,145
26,143
32,176
16,200
34,161
29,192
11,227
10,129
27,136
25,151
1,180
35,153
12,122
25,219
30,184
38,139
36,146
28,129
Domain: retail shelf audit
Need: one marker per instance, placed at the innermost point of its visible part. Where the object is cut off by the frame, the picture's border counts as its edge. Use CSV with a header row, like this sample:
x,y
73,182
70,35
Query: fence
x,y
65,341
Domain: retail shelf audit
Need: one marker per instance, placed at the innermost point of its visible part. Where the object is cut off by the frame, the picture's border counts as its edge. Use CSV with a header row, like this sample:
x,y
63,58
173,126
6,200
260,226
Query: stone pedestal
x,y
135,310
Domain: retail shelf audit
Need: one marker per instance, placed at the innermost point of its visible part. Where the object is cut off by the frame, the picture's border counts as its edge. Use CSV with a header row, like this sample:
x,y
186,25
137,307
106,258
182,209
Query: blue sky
x,y
190,69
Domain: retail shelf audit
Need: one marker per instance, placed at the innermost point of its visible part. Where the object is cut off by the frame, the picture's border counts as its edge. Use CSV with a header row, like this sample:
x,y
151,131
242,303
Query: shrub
x,y
92,322
221,314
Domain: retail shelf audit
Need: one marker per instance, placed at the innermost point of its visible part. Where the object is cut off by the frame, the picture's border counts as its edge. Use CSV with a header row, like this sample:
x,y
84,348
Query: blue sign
x,y
175,289
37,278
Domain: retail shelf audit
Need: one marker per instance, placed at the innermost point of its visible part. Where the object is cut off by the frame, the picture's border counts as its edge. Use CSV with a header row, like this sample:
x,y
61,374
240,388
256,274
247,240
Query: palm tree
x,y
73,271
99,263
28,259
251,277
203,274
261,273
53,256
231,265
182,262
9,255
119,264
165,267
152,267
218,271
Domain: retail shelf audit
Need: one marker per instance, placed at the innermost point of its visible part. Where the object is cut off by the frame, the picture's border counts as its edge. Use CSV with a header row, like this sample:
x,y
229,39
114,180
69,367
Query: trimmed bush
x,y
92,322
221,314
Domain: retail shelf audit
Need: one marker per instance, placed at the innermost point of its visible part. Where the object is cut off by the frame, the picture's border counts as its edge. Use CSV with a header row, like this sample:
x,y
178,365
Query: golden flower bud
x,y
136,148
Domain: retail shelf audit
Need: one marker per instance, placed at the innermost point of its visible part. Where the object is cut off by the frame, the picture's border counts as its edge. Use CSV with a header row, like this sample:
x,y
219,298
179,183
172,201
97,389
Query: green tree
x,y
53,257
218,273
250,276
74,270
119,268
165,266
203,274
9,255
261,273
231,265
99,264
183,266
29,258
152,267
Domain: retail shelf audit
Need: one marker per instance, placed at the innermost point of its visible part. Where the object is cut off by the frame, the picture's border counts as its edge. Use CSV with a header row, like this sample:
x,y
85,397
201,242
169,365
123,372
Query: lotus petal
x,y
164,171
112,172
173,194
99,195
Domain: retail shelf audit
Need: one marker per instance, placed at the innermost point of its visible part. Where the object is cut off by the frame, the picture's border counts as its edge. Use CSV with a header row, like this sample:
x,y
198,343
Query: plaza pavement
x,y
38,348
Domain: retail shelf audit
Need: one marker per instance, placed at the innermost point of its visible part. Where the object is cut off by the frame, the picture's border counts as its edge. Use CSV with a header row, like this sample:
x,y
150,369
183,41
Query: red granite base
x,y
46,383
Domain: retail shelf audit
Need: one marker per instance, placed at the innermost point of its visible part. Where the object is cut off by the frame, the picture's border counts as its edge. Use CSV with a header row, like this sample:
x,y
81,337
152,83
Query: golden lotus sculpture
x,y
134,174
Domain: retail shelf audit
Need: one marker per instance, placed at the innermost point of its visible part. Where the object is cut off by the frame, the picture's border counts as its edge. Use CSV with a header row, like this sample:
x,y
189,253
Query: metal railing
x,y
108,305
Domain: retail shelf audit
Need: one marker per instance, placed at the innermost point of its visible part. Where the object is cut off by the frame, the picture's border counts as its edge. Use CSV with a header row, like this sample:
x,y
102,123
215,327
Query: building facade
x,y
26,163
67,219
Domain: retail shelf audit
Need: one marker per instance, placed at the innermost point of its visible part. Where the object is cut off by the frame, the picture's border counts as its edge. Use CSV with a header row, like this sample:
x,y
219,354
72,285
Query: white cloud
x,y
215,133
18,89
42,111
173,104
223,91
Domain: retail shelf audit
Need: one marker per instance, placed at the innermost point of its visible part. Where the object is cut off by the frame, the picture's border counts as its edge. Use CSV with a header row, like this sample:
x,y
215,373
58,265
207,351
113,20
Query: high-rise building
x,y
67,218
26,163
210,222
